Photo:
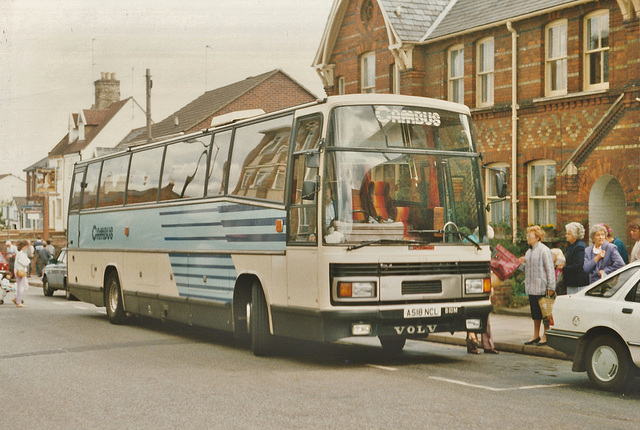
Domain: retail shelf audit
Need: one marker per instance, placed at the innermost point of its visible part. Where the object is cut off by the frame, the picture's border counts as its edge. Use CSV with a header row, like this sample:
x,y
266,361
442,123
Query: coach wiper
x,y
388,242
459,233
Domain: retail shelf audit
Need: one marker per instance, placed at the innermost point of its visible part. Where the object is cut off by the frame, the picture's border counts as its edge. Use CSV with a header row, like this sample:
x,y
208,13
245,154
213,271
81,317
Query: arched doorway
x,y
607,204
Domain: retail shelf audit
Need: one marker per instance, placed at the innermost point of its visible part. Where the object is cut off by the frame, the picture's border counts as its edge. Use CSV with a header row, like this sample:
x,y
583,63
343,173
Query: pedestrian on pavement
x,y
540,280
51,248
43,259
12,251
611,238
602,257
22,276
31,252
573,274
486,338
634,229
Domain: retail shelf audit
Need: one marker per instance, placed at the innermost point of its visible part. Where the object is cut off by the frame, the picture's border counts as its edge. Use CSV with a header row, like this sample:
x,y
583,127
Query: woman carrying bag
x,y
540,281
21,271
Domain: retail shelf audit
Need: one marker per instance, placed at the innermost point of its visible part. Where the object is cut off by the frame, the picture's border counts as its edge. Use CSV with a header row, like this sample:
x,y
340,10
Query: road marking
x,y
484,387
376,366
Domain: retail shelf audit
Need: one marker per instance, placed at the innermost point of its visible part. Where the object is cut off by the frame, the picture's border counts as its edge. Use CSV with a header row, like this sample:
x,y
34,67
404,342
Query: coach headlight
x,y
356,290
477,286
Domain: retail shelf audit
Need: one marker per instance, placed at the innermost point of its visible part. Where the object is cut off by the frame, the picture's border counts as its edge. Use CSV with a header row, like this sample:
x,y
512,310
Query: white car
x,y
600,328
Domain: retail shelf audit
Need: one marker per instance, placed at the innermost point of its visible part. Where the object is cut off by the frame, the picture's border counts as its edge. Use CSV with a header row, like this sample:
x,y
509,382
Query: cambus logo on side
x,y
102,233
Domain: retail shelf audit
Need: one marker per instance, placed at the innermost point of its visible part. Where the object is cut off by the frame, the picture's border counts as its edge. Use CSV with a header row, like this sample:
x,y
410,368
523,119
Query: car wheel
x,y
392,344
608,363
113,300
258,316
67,294
46,289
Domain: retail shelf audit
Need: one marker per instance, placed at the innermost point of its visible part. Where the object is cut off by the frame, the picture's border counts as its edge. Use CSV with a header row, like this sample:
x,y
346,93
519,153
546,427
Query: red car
x,y
4,266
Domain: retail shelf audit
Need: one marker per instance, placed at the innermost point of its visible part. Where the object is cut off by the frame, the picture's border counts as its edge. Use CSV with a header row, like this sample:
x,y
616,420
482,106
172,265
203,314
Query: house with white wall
x,y
92,132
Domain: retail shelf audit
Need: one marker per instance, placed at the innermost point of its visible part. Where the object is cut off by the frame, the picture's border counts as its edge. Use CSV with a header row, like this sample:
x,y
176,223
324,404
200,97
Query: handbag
x,y
504,264
21,273
546,305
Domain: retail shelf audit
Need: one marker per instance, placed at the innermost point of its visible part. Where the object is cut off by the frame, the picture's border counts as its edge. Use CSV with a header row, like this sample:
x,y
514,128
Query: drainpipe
x,y
514,130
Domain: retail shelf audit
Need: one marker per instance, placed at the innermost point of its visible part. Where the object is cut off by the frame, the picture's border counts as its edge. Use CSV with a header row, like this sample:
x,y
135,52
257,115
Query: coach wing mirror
x,y
309,190
501,183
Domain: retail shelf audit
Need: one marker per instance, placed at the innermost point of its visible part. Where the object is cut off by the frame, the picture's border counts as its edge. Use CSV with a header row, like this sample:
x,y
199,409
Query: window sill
x,y
570,96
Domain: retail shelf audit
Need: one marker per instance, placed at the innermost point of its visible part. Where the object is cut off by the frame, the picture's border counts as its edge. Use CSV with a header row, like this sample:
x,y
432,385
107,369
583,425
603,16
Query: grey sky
x,y
52,51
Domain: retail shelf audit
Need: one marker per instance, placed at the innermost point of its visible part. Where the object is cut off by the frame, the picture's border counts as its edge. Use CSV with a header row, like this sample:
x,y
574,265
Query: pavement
x,y
510,328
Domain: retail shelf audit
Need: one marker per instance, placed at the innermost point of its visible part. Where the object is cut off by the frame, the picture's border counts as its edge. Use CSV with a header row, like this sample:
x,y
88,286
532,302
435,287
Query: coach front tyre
x,y
392,344
258,319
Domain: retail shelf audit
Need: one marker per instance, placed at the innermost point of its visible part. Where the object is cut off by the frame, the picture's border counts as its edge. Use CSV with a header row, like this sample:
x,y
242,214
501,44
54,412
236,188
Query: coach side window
x,y
113,181
259,159
185,169
144,176
218,165
91,186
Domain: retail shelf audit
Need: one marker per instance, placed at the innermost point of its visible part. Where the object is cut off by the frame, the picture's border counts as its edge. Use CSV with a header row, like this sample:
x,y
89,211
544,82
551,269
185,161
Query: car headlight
x,y
356,290
477,286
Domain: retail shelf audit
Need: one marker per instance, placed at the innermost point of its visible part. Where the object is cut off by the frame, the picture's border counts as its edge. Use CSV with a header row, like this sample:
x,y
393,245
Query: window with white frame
x,y
556,58
499,208
368,68
485,72
542,192
456,74
596,51
341,85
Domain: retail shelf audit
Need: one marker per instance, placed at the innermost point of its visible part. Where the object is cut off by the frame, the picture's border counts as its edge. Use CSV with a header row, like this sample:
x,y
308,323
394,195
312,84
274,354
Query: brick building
x,y
569,127
270,91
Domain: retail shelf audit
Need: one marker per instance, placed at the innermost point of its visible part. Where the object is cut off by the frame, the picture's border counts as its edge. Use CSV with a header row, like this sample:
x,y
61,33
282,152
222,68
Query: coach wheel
x,y
45,287
113,300
607,363
392,344
258,319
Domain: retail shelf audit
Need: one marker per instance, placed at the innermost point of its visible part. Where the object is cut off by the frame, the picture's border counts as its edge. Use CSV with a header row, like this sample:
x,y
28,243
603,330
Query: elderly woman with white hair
x,y
602,257
573,274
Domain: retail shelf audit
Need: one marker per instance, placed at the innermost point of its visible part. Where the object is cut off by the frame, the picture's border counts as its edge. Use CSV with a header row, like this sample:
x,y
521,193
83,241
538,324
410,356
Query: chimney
x,y
107,91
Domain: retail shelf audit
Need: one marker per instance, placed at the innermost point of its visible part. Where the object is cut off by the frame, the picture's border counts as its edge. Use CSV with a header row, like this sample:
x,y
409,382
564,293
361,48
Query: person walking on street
x,y
634,229
540,279
602,257
22,276
573,274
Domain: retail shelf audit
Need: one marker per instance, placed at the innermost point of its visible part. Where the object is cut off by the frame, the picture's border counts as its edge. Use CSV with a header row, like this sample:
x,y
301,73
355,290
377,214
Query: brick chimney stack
x,y
107,91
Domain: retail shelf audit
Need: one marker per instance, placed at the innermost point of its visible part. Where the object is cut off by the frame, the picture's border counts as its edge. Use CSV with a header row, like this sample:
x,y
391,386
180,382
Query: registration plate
x,y
422,311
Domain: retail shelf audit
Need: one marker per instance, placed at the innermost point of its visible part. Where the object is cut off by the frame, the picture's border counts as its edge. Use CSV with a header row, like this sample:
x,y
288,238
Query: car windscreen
x,y
611,285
